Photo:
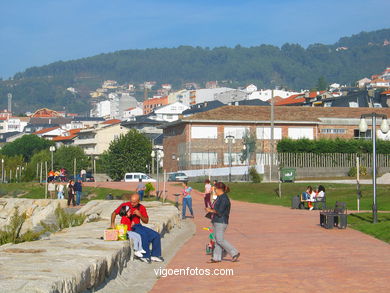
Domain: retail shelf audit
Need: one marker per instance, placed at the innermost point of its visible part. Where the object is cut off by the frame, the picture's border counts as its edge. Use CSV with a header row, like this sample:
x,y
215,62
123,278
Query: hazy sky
x,y
37,32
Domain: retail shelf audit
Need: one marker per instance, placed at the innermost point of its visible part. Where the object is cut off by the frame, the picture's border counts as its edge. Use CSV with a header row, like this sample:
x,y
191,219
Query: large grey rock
x,y
36,210
75,259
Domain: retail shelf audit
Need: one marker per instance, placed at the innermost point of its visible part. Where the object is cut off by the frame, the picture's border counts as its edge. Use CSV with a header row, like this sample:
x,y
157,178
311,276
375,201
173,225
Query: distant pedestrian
x,y
78,188
83,175
60,191
51,187
187,200
141,189
71,193
207,193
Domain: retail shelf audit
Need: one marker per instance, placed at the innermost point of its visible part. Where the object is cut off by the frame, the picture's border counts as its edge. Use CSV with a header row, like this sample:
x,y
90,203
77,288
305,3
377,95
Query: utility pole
x,y
272,136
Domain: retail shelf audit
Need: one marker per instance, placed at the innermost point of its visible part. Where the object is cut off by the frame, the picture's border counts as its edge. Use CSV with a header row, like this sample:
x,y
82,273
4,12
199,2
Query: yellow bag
x,y
122,231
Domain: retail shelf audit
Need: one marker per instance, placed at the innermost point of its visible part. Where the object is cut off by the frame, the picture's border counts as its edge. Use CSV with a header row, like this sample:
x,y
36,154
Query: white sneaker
x,y
311,208
138,253
157,258
142,251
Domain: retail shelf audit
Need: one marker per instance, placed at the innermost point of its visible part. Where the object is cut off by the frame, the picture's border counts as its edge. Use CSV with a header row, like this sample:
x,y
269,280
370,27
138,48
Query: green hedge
x,y
331,146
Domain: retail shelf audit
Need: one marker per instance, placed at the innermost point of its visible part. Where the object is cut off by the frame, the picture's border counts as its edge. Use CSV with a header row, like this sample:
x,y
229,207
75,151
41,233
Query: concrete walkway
x,y
282,250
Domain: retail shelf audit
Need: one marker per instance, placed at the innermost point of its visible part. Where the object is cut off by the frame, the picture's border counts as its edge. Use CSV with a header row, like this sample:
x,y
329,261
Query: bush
x,y
149,188
66,220
254,175
338,145
353,171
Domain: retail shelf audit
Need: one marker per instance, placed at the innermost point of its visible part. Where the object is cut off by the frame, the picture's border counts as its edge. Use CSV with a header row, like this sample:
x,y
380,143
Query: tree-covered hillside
x,y
291,66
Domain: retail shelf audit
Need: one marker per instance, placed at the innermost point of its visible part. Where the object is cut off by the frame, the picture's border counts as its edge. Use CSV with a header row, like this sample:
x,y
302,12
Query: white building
x,y
363,82
169,112
96,140
115,106
251,88
206,95
132,112
266,95
182,96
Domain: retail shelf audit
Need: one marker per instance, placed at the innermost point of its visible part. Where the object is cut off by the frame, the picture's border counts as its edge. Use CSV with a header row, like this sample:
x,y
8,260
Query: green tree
x,y
26,146
63,158
129,153
322,84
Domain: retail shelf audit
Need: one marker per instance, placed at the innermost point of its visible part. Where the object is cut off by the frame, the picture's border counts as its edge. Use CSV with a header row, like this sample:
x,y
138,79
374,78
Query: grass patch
x,y
266,193
363,222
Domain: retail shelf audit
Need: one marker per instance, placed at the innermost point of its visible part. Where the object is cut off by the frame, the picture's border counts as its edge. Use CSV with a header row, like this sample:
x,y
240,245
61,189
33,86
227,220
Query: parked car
x,y
89,177
177,177
134,177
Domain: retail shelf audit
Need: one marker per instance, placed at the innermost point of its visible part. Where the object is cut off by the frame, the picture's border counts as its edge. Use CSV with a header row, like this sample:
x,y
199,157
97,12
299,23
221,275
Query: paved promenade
x,y
282,250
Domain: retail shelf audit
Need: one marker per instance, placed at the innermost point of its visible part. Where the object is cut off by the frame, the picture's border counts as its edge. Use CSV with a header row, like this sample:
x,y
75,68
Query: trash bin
x,y
287,174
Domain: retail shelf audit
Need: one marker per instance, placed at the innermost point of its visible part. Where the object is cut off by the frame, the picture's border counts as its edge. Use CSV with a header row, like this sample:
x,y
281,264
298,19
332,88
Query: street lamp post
x,y
2,170
246,148
230,139
384,128
52,149
158,154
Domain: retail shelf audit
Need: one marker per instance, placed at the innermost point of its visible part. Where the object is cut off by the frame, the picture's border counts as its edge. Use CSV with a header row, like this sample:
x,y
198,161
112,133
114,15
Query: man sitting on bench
x,y
137,214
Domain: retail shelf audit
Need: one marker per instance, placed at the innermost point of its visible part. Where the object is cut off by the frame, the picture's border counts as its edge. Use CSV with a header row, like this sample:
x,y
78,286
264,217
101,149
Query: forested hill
x,y
290,65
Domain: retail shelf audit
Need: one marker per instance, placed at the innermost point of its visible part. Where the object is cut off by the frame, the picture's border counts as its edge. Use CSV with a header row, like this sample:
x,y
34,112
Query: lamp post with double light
x,y
363,127
2,170
230,140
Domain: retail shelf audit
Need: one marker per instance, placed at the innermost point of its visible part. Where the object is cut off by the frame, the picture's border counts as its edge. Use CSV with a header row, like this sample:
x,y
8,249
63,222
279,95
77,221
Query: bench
x,y
336,217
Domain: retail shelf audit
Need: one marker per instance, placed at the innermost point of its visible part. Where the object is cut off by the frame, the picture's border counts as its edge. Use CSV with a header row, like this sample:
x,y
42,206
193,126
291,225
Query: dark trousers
x,y
71,199
207,201
148,237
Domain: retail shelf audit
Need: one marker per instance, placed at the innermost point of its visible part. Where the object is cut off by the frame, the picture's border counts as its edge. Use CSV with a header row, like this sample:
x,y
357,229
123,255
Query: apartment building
x,y
198,140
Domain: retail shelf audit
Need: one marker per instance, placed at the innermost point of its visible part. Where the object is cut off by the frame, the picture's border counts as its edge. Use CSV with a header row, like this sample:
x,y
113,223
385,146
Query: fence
x,y
331,160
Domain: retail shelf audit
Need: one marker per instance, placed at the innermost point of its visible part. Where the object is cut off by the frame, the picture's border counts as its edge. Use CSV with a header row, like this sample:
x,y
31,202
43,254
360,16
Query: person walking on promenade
x,y
207,194
51,187
187,200
219,215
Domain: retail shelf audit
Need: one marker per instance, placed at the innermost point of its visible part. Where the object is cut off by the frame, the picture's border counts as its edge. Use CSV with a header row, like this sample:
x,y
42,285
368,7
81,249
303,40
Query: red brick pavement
x,y
282,250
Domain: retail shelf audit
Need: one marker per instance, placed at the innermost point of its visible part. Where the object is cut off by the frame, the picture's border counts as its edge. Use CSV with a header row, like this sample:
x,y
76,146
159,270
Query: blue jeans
x,y
141,194
187,201
149,236
78,197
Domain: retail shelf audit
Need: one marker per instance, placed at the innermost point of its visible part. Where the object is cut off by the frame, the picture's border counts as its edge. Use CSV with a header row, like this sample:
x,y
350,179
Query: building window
x,y
236,159
362,135
237,132
353,104
204,158
300,132
333,131
265,133
204,132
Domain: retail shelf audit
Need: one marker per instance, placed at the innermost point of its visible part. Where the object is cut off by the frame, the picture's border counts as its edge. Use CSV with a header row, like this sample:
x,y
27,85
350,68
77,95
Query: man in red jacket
x,y
137,215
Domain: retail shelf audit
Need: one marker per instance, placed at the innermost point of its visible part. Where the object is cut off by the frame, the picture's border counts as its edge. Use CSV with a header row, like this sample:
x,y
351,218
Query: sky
x,y
38,32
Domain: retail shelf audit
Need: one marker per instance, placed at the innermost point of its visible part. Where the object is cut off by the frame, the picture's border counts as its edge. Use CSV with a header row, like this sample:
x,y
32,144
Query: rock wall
x,y
74,259
37,210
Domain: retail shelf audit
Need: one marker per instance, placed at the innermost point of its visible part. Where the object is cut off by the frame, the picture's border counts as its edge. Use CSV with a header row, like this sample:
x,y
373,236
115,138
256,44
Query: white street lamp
x,y
384,126
230,139
363,125
52,149
2,170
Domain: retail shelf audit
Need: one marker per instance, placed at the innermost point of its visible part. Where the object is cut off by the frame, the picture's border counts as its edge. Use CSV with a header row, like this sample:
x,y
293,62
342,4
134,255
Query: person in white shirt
x,y
60,191
51,187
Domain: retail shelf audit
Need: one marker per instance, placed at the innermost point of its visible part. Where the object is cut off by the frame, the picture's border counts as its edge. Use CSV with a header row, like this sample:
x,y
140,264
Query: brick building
x,y
198,140
151,104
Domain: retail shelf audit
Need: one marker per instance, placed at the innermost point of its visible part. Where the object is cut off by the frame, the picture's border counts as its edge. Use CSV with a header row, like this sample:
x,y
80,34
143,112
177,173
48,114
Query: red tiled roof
x,y
294,99
129,109
112,121
46,130
62,138
386,92
378,80
74,131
